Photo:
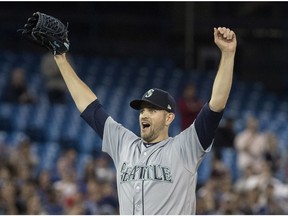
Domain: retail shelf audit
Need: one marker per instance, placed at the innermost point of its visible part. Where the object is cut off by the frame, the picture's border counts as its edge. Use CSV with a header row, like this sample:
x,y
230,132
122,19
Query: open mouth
x,y
145,125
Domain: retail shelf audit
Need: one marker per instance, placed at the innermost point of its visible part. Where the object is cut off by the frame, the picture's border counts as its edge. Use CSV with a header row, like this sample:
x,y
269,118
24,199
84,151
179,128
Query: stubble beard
x,y
148,137
152,134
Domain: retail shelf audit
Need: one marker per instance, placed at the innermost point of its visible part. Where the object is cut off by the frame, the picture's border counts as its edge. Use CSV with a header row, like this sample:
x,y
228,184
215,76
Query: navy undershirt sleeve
x,y
206,124
95,116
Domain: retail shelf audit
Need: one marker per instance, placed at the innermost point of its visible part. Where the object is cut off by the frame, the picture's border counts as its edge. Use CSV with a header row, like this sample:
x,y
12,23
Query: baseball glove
x,y
48,32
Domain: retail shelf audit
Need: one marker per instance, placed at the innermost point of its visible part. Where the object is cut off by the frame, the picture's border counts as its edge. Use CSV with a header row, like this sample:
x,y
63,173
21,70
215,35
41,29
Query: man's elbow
x,y
217,105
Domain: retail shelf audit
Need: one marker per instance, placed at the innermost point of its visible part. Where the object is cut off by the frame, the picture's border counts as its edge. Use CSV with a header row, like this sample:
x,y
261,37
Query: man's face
x,y
153,123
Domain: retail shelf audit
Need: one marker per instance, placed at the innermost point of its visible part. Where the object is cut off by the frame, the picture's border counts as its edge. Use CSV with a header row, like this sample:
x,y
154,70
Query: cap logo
x,y
149,93
169,107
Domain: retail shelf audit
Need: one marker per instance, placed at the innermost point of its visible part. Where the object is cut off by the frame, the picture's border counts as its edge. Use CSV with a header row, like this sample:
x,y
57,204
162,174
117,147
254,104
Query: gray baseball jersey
x,y
160,179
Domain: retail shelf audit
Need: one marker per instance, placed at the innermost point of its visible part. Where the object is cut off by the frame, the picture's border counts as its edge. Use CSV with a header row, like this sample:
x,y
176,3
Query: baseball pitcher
x,y
156,173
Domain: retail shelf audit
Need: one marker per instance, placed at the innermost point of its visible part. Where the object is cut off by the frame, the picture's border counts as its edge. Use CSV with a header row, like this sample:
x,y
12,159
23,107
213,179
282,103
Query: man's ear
x,y
169,118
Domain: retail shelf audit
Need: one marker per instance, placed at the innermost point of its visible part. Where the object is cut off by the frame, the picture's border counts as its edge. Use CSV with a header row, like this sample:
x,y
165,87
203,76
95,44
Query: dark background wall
x,y
182,31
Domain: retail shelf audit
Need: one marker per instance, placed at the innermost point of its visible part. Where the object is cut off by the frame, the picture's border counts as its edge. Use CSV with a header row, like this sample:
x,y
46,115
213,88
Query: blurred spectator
x,y
100,178
218,168
34,206
76,206
272,152
109,201
265,184
24,174
66,161
55,85
44,181
244,204
46,193
189,105
70,155
241,184
6,174
201,206
268,202
104,169
250,146
252,197
224,137
23,155
93,197
228,205
67,186
8,199
16,90
52,204
27,190
207,194
89,171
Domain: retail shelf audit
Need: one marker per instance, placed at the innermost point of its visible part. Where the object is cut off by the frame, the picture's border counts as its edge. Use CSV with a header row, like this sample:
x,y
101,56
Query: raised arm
x,y
80,92
225,39
50,32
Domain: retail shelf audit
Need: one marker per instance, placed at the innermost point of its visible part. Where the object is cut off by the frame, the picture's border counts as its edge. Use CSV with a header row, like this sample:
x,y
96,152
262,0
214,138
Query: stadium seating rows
x,y
116,81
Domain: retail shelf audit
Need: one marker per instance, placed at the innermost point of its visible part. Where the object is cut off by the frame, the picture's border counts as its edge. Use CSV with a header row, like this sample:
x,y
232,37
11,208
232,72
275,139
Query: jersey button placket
x,y
137,188
138,208
137,198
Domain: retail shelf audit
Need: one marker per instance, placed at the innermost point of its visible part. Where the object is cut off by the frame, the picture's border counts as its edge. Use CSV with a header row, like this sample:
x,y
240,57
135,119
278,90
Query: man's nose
x,y
144,114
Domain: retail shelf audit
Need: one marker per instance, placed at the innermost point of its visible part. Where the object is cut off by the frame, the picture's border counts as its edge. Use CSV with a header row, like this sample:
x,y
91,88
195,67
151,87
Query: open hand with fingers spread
x,y
225,39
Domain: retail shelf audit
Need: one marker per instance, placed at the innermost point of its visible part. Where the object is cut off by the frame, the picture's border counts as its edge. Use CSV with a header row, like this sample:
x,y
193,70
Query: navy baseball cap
x,y
158,98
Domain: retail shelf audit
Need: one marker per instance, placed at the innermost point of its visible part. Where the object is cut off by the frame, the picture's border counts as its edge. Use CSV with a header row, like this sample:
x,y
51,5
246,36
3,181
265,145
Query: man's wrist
x,y
60,58
228,54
